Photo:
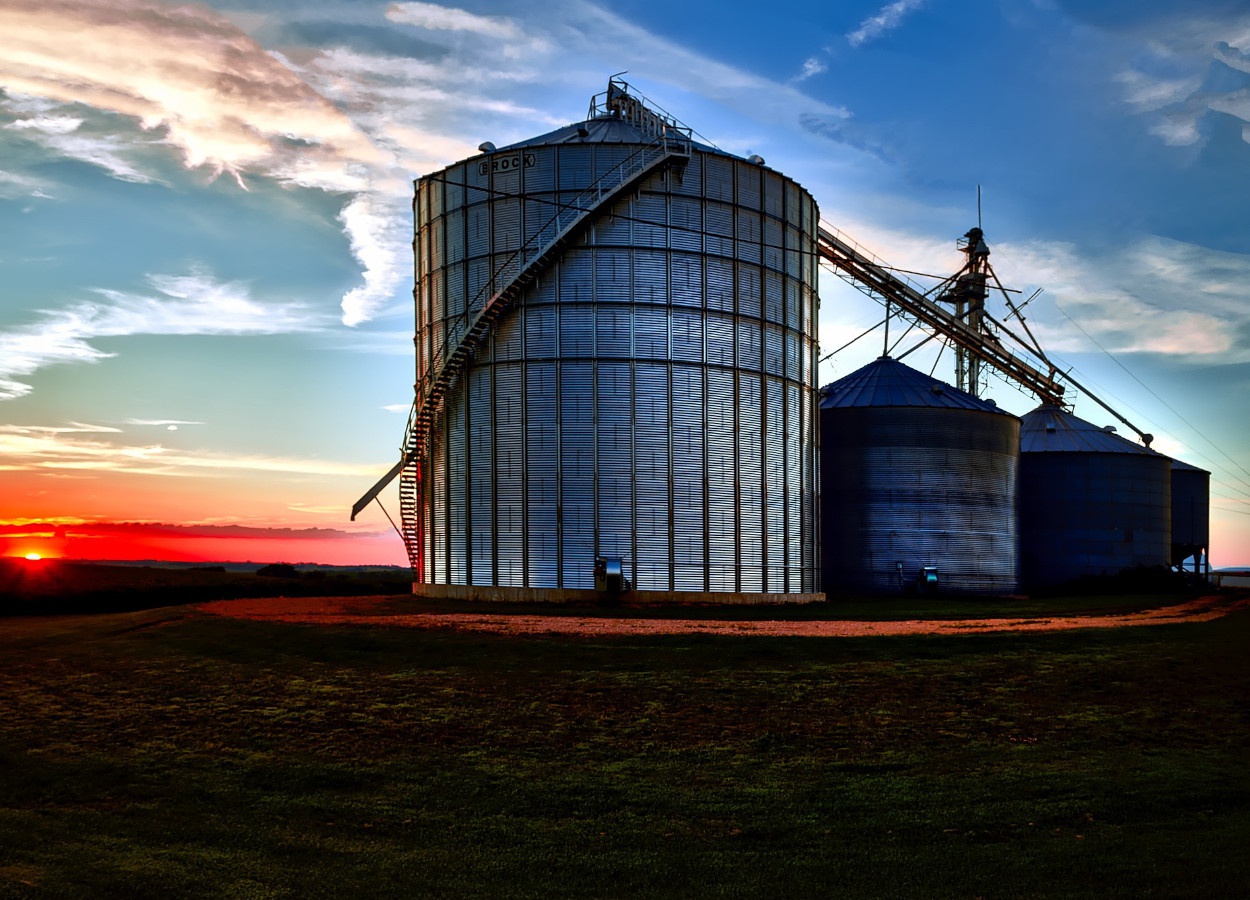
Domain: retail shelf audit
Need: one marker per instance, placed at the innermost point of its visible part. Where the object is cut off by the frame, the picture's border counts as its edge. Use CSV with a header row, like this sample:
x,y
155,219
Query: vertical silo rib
x,y
449,356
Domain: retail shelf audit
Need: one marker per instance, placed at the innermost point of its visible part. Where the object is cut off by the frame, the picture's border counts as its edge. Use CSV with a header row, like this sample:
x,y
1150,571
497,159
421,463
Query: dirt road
x,y
373,611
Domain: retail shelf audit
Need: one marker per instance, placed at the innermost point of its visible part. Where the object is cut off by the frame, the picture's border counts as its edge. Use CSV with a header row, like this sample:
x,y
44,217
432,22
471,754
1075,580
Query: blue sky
x,y
206,314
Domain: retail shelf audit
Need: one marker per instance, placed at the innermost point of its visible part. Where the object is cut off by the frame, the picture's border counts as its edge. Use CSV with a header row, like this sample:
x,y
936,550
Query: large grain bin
x,y
915,474
1191,515
1091,502
644,394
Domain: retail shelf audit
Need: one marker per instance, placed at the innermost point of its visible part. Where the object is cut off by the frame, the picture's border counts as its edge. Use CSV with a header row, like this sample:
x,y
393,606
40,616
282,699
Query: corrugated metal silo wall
x,y
1191,511
652,397
921,487
1092,514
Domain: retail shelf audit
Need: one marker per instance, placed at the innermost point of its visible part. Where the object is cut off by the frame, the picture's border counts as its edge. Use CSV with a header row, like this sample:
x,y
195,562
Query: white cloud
x,y
193,81
449,18
15,186
382,248
886,19
183,71
47,124
1167,79
332,119
181,304
1152,296
64,135
1148,93
65,450
164,422
811,66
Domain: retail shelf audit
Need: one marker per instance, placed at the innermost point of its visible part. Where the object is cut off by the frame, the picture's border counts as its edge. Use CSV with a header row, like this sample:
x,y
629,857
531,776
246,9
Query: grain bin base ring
x,y
574,596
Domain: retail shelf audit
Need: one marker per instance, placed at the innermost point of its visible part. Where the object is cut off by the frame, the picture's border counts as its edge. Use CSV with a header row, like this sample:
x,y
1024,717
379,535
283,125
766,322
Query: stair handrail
x,y
567,217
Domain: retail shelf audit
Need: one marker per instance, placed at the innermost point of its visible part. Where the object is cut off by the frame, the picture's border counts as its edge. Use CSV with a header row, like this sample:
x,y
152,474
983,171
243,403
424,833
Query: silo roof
x,y
599,130
1049,429
1186,467
888,382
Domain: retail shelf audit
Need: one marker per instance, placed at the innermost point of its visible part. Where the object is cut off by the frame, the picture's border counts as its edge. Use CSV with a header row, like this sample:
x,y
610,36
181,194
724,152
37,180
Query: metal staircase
x,y
859,268
466,330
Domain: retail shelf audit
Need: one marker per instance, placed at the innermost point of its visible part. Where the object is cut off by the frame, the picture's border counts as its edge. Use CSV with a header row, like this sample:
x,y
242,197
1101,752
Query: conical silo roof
x,y
600,130
1049,429
888,382
1186,467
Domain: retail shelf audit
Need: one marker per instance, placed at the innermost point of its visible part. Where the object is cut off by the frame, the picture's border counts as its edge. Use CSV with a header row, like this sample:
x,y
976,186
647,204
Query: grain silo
x,y
1091,502
616,355
918,484
1191,516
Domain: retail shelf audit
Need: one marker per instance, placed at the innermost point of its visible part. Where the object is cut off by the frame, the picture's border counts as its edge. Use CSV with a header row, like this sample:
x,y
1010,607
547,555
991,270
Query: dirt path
x,y
372,611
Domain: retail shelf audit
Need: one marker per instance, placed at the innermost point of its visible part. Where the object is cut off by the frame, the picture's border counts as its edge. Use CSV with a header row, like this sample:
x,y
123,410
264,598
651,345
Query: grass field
x,y
53,586
166,753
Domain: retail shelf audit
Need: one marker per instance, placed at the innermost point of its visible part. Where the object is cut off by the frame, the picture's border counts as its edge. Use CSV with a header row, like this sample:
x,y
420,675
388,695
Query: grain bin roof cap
x,y
1186,467
1049,429
600,130
888,382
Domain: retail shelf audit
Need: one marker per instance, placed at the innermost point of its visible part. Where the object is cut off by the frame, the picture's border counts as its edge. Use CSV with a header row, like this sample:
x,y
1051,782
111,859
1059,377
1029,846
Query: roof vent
x,y
1110,429
757,159
1050,429
486,147
937,389
583,132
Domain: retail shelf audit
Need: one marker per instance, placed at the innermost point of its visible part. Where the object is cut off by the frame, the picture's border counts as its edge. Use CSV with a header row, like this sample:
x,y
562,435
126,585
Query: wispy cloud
x,y
49,449
179,304
1153,295
165,422
1174,80
448,18
79,528
813,65
185,72
16,186
330,118
886,19
194,82
64,135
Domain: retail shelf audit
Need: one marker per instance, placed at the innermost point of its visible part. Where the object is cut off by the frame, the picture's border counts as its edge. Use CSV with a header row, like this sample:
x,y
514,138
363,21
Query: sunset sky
x,y
206,312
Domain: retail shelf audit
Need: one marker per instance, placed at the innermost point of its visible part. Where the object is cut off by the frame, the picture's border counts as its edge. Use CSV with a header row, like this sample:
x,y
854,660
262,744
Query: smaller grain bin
x,y
918,483
1091,502
1191,516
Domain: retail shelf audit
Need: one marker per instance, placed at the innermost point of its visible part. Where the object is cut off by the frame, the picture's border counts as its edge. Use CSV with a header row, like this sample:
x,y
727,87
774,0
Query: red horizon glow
x,y
138,542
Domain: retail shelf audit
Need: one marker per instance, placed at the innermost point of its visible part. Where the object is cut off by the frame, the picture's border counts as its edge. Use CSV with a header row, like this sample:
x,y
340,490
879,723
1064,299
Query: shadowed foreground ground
x,y
173,753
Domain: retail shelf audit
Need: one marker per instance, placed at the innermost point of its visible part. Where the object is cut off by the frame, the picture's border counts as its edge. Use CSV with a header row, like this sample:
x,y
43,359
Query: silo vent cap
x,y
937,389
1110,429
757,159
486,147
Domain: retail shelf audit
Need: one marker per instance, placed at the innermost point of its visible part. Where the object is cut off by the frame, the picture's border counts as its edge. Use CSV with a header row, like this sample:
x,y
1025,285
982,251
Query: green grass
x,y
166,753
